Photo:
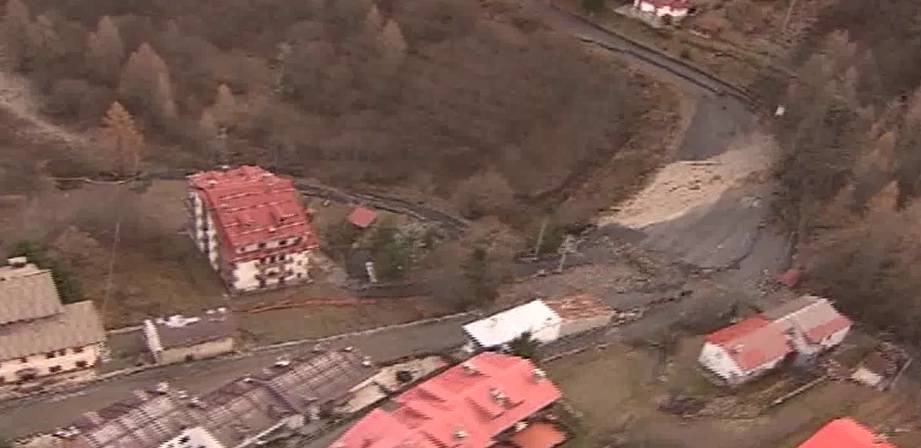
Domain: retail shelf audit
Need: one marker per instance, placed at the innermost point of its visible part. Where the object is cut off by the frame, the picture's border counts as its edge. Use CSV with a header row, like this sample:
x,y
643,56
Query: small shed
x,y
362,217
178,338
499,329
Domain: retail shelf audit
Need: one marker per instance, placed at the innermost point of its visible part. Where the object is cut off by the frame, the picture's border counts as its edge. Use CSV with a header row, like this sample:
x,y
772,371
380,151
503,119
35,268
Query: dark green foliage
x,y
391,252
482,282
593,5
524,346
64,279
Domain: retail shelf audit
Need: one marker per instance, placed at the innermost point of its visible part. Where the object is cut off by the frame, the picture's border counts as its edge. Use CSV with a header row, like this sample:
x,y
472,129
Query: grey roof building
x,y
234,415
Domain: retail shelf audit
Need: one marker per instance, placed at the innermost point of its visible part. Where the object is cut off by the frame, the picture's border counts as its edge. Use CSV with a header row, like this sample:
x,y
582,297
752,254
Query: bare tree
x,y
393,45
17,24
105,50
142,82
122,140
225,106
373,21
484,194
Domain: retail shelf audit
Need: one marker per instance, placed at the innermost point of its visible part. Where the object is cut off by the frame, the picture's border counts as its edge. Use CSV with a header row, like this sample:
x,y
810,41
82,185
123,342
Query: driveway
x,y
32,415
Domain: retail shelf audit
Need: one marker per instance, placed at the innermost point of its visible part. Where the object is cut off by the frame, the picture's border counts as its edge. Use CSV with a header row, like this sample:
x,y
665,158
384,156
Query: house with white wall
x,y
251,226
744,351
674,10
40,336
179,338
546,320
800,329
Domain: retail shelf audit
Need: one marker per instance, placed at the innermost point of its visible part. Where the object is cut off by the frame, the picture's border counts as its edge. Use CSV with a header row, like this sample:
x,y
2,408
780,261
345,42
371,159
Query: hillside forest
x,y
851,168
430,93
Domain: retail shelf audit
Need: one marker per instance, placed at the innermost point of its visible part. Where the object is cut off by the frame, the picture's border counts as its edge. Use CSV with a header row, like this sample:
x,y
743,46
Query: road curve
x,y
647,57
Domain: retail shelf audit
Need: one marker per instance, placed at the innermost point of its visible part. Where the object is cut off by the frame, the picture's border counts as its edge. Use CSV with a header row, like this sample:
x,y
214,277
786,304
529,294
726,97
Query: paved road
x,y
28,416
691,79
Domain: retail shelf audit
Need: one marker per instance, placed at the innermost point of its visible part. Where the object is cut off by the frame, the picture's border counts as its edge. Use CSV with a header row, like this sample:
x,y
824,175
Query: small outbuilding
x,y
178,338
362,217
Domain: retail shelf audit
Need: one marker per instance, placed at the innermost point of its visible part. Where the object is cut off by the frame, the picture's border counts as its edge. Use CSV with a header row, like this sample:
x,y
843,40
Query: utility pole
x,y
565,249
540,237
786,19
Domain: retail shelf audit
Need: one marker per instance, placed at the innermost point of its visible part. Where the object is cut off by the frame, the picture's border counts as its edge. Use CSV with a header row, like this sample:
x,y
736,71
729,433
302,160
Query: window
x,y
78,350
50,355
54,369
262,245
81,364
62,352
23,360
184,439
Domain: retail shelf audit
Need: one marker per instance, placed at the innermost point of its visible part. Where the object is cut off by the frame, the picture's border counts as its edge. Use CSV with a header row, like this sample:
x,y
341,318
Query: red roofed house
x,y
744,351
845,433
671,9
251,226
806,326
471,405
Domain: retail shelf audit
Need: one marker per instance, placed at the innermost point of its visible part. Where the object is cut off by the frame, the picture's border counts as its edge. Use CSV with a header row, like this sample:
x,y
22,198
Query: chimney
x,y
469,368
539,375
460,434
17,262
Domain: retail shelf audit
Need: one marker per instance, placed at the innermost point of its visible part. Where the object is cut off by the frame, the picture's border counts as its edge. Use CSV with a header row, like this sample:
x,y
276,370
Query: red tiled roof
x,y
845,433
251,205
539,435
362,217
752,342
464,407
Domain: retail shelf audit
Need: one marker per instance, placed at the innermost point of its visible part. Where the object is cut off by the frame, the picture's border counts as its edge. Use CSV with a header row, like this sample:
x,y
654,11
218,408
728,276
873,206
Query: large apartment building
x,y
251,226
40,336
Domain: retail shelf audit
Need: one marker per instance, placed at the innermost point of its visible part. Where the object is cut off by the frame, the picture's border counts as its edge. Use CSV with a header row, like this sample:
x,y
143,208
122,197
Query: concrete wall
x,y
67,363
196,437
200,351
575,326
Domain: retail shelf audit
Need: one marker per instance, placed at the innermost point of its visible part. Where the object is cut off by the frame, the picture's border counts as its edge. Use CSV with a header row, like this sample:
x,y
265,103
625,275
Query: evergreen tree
x,y
524,346
477,271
